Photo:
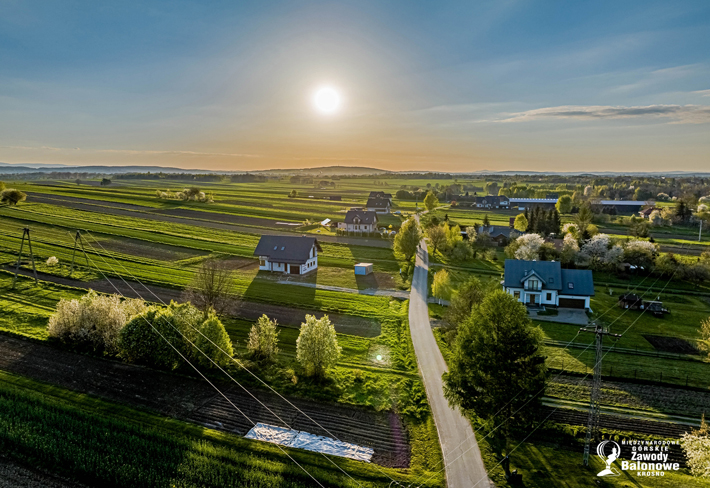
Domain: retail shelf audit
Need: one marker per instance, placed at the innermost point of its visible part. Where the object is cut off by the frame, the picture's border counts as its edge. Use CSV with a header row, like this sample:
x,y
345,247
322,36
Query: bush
x,y
214,341
93,319
52,261
140,340
263,339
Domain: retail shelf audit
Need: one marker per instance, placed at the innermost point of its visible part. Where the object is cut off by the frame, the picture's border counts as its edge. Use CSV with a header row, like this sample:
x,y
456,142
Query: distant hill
x,y
326,171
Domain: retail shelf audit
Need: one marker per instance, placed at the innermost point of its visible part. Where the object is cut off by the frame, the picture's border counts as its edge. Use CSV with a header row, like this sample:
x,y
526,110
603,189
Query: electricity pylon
x,y
78,240
25,233
593,420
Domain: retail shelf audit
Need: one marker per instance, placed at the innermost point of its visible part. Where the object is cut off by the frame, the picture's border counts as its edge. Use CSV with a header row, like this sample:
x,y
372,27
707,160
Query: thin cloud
x,y
677,114
703,93
134,152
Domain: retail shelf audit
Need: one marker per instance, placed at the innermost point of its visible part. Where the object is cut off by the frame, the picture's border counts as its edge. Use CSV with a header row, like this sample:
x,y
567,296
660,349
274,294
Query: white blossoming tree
x,y
570,248
696,445
529,247
640,253
263,339
317,346
93,319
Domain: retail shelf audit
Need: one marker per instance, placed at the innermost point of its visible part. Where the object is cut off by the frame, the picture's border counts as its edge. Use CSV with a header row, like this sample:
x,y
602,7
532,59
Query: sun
x,y
326,100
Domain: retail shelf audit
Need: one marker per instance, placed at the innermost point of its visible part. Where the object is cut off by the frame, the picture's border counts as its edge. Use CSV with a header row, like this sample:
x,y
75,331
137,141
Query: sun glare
x,y
326,100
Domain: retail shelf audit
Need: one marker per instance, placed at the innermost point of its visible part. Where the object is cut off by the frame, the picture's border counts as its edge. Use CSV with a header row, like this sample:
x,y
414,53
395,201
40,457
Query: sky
x,y
424,86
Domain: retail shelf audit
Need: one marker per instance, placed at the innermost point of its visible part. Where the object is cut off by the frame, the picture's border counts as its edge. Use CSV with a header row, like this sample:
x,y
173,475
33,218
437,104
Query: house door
x,y
532,299
295,269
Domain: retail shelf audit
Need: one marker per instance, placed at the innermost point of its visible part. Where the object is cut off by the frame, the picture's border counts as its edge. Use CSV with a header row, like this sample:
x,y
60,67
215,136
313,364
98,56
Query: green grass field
x,y
104,444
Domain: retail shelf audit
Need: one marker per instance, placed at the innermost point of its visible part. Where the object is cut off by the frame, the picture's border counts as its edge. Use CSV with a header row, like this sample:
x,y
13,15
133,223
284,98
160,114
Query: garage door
x,y
571,303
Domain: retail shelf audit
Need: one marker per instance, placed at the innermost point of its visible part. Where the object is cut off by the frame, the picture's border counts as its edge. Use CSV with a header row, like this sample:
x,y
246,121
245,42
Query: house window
x,y
516,294
549,297
533,284
262,262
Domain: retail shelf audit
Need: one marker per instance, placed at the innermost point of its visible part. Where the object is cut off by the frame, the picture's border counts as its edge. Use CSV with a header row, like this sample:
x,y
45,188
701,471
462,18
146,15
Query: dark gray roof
x,y
581,280
286,249
492,199
495,230
366,216
377,203
380,194
551,274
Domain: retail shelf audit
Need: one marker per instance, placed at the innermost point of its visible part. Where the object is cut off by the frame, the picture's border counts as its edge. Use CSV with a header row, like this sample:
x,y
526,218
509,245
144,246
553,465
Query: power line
x,y
203,376
225,372
585,376
543,389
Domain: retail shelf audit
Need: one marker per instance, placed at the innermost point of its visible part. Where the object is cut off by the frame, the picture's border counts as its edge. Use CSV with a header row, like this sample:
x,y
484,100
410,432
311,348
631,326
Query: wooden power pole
x,y
25,234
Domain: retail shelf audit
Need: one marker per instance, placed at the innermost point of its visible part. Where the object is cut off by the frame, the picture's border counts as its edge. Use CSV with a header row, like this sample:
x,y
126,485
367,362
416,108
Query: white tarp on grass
x,y
310,442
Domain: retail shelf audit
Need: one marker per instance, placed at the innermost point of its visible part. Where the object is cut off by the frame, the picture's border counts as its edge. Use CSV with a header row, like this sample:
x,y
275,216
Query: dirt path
x,y
286,316
195,401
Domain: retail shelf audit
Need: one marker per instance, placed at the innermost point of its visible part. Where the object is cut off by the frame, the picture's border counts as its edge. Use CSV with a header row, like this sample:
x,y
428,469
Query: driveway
x,y
574,316
462,457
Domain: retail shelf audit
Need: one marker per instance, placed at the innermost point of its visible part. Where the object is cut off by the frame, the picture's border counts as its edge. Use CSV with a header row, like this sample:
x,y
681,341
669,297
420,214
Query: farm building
x,y
539,283
363,269
379,205
359,221
335,197
288,254
620,206
492,201
531,203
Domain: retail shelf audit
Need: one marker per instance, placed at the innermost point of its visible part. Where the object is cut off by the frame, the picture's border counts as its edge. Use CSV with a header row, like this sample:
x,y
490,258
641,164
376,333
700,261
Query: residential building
x,y
288,254
545,283
379,205
359,221
492,201
498,233
381,194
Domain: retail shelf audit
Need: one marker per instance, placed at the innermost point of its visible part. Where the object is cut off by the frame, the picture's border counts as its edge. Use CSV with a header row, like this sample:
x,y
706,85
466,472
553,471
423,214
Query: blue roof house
x,y
541,283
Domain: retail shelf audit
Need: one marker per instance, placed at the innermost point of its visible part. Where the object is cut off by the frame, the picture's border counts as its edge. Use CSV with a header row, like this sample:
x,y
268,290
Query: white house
x,y
379,205
359,221
540,283
288,254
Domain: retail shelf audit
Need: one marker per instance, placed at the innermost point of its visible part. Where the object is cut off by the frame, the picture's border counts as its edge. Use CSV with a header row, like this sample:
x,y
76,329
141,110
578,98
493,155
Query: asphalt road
x,y
462,457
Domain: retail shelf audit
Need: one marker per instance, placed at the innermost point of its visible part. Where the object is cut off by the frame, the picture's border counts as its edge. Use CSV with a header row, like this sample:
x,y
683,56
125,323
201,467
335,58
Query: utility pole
x,y
700,234
78,239
25,233
593,421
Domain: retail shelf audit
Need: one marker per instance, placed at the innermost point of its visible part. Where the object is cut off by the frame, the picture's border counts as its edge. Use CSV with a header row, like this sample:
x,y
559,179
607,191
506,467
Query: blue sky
x,y
456,86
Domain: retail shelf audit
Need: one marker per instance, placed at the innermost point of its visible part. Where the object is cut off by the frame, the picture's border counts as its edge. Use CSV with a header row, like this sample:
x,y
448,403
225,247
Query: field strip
x,y
622,411
189,399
